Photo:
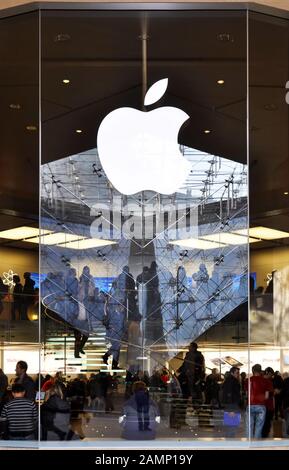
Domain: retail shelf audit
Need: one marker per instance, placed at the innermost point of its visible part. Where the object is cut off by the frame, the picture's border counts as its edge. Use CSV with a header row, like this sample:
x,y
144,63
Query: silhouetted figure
x,y
3,388
193,368
212,388
28,293
116,315
71,296
130,293
269,403
79,343
231,400
139,414
3,292
154,326
278,384
86,294
17,305
81,325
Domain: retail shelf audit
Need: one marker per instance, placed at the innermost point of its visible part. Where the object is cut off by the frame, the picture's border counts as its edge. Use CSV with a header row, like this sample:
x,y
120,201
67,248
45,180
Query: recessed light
x,y
31,128
66,81
220,82
270,107
20,233
62,37
78,131
286,193
87,243
197,244
55,238
228,238
264,233
207,131
225,37
15,106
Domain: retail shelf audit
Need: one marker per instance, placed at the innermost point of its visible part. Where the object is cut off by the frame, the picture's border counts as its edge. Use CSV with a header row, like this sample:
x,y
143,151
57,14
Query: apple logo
x,y
139,150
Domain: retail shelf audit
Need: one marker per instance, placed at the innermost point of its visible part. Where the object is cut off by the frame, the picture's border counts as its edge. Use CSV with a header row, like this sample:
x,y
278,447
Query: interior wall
x,y
265,261
19,261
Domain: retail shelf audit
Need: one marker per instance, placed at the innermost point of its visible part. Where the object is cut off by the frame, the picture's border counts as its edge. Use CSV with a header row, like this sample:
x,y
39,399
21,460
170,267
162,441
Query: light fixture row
x,y
47,237
209,241
238,237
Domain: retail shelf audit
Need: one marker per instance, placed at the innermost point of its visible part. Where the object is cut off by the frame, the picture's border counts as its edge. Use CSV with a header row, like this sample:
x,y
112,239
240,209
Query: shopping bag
x,y
232,418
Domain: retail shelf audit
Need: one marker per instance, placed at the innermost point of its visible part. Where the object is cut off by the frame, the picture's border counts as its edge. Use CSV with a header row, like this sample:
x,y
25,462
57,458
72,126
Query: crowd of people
x,y
256,400
83,306
130,304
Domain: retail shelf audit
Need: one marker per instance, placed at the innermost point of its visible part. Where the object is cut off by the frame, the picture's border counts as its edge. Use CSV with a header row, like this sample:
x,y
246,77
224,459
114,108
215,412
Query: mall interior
x,y
144,251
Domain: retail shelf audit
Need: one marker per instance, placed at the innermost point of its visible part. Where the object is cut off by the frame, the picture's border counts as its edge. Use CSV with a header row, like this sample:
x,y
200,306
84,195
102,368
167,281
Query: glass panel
x,y
269,170
19,188
146,217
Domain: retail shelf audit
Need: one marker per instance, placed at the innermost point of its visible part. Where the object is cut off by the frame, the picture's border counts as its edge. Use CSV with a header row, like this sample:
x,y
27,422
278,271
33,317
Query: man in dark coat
x,y
231,399
232,390
25,380
193,368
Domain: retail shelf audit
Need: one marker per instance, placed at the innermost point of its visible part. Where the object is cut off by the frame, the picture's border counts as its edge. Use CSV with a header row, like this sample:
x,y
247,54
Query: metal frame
x,y
165,6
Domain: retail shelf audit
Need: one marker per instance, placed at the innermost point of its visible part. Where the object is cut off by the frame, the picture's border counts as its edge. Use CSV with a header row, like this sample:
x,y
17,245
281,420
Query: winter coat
x,y
231,393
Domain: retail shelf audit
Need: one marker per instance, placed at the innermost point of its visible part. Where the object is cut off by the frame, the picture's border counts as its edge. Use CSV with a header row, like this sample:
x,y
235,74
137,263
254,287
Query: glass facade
x,y
143,154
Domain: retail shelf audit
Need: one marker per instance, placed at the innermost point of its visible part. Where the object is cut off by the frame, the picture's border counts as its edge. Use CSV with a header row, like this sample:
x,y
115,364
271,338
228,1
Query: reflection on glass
x,y
144,258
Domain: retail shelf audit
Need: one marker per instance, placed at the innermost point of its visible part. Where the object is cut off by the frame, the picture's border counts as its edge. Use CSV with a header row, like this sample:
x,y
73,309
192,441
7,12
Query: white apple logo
x,y
139,150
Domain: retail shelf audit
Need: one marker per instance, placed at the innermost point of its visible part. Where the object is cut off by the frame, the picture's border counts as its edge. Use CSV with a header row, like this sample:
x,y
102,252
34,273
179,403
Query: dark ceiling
x,y
100,53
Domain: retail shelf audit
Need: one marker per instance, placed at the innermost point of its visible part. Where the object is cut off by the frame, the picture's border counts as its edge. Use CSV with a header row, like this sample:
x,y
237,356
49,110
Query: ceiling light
x,y
15,106
228,238
196,244
265,233
270,107
285,193
87,243
78,131
207,131
62,37
19,233
31,128
220,82
66,81
225,37
54,238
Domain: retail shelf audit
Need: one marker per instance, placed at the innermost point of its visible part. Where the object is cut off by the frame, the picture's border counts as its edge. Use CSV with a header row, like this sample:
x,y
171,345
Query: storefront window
x,y
144,191
19,221
158,236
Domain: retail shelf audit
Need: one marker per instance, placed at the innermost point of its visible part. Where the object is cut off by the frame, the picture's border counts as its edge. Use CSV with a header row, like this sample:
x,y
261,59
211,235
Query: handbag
x,y
231,418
